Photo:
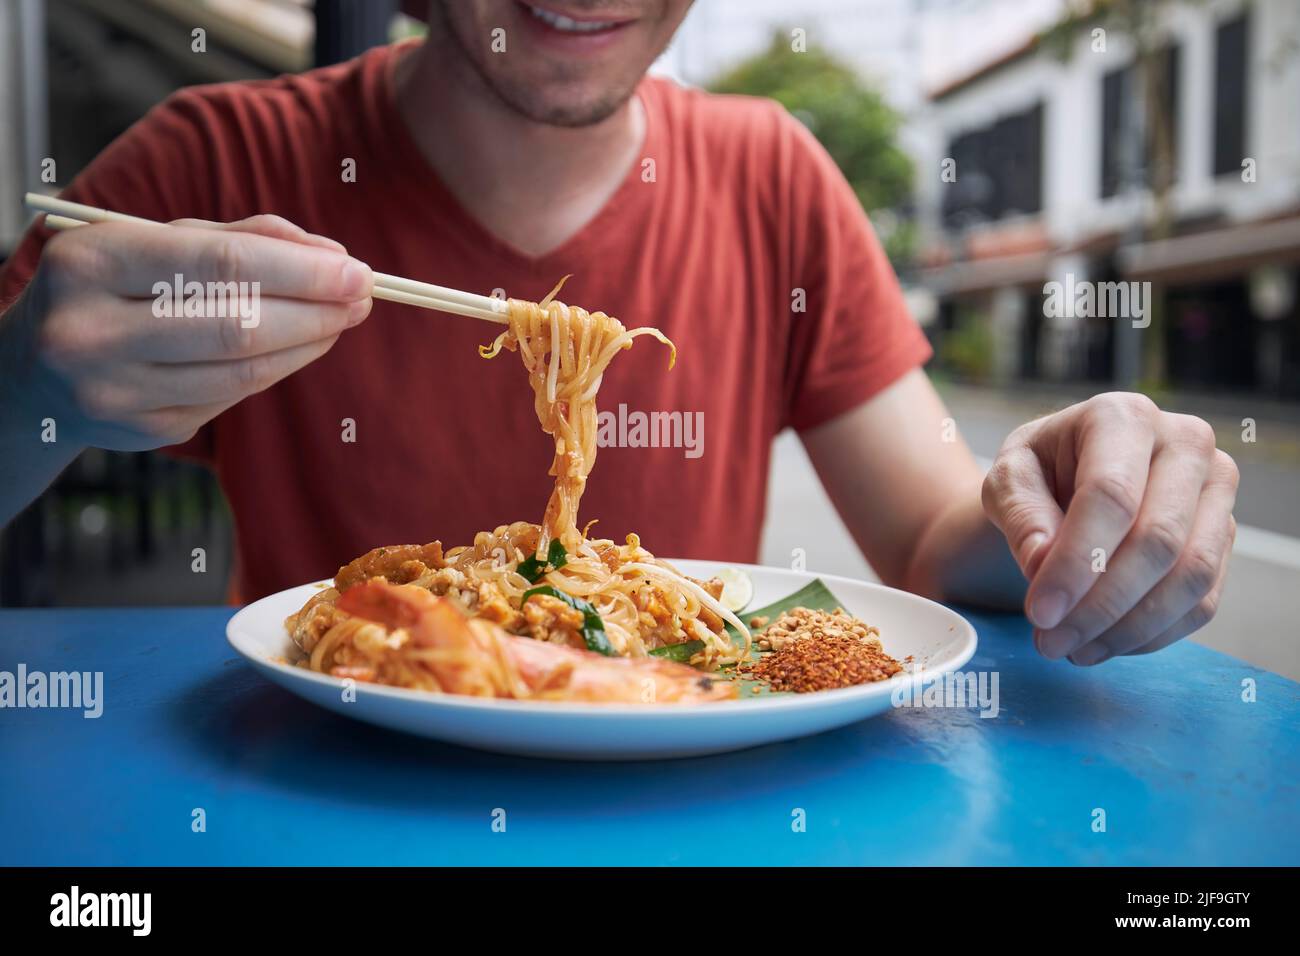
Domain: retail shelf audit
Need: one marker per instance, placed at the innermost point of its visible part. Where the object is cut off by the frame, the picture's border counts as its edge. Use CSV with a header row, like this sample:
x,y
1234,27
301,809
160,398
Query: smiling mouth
x,y
562,24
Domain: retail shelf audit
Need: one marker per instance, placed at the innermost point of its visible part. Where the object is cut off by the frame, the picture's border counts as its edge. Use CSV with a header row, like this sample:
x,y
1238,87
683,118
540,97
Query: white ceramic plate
x,y
937,639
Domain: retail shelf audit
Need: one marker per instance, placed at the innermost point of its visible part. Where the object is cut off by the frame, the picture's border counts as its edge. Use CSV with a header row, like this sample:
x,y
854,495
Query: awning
x,y
1215,254
978,275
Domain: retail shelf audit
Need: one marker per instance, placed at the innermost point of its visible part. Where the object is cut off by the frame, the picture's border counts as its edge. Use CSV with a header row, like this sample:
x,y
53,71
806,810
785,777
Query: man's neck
x,y
533,185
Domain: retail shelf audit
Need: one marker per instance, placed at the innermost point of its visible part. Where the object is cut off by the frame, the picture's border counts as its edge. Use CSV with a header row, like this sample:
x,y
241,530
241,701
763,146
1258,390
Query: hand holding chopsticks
x,y
103,358
62,215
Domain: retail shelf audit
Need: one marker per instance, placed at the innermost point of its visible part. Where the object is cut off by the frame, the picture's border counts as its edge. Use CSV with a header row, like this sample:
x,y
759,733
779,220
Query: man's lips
x,y
573,30
551,11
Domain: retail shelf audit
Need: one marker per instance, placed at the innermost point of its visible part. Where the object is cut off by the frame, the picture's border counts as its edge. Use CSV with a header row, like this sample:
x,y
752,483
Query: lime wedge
x,y
737,588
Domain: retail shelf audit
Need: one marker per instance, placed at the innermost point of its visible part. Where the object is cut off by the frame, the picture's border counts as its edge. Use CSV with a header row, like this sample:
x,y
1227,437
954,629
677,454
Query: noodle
x,y
641,603
566,351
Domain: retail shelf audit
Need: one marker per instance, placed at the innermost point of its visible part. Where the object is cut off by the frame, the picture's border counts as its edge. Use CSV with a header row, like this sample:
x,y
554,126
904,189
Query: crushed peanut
x,y
812,650
804,622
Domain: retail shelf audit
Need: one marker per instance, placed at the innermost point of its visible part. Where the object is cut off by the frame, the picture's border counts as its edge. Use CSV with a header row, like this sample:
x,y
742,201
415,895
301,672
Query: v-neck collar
x,y
424,186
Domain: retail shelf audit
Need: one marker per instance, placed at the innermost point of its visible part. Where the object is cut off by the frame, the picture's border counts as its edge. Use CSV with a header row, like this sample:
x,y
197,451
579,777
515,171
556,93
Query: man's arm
x,y
32,450
1118,515
908,489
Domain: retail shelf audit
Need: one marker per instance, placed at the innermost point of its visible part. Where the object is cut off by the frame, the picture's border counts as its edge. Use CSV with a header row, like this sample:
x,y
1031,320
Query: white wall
x,y
1071,92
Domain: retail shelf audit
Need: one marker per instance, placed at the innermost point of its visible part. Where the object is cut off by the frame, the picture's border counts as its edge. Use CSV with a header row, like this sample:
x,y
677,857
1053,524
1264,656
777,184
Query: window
x,y
1114,92
1230,56
1128,141
999,170
1018,153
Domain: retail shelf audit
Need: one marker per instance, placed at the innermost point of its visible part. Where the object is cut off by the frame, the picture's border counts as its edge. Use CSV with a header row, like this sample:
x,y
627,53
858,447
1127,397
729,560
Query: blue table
x,y
1185,770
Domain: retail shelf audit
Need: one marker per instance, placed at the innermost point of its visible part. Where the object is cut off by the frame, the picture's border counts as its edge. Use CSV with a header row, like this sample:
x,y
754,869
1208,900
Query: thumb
x,y
1019,501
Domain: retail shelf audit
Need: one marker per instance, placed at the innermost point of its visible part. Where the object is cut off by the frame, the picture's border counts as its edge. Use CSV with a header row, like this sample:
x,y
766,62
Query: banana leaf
x,y
814,595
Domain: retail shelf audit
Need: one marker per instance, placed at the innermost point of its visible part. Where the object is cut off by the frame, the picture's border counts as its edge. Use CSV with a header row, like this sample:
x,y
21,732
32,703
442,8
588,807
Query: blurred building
x,y
1037,167
74,74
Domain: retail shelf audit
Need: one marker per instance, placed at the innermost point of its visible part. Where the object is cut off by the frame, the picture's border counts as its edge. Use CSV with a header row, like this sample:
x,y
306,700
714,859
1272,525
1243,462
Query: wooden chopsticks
x,y
61,214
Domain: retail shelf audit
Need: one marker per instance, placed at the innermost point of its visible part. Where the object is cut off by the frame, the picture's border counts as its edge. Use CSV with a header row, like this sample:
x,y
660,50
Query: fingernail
x,y
355,279
1048,609
1090,654
1058,643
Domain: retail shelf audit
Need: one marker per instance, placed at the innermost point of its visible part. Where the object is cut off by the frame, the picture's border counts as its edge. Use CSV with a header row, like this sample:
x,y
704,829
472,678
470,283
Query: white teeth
x,y
569,25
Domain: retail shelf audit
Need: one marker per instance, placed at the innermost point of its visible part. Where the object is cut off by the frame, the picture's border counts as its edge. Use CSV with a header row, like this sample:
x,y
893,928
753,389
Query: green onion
x,y
593,628
533,570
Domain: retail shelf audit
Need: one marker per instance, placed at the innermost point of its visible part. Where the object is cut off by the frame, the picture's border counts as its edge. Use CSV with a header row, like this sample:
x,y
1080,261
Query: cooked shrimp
x,y
400,564
477,657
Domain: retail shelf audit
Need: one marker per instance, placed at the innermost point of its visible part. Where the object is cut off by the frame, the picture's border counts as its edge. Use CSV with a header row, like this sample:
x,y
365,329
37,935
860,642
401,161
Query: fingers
x,y
279,324
1189,623
98,332
152,331
1157,539
140,261
136,394
1145,492
1019,501
273,227
1114,444
1187,597
215,382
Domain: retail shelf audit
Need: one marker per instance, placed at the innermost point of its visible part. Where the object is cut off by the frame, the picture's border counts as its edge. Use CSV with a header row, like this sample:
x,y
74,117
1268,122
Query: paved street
x,y
1261,602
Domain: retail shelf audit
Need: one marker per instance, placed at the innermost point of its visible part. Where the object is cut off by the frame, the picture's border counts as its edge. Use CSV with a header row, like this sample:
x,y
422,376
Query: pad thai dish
x,y
533,611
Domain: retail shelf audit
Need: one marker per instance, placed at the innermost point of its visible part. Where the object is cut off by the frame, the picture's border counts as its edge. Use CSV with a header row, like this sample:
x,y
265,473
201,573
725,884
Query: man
x,y
519,143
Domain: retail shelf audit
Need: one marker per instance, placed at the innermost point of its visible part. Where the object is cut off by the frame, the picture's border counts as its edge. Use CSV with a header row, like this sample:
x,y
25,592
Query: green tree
x,y
851,120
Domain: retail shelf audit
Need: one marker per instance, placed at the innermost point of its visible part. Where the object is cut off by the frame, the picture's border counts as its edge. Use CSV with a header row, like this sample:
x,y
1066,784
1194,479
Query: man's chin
x,y
572,118
562,102
555,108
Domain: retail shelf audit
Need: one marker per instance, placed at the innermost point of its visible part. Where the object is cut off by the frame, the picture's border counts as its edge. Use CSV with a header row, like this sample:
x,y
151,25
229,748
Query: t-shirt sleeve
x,y
854,336
158,169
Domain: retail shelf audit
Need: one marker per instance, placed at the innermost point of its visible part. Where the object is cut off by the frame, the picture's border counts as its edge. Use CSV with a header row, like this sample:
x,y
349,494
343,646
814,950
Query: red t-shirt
x,y
744,210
